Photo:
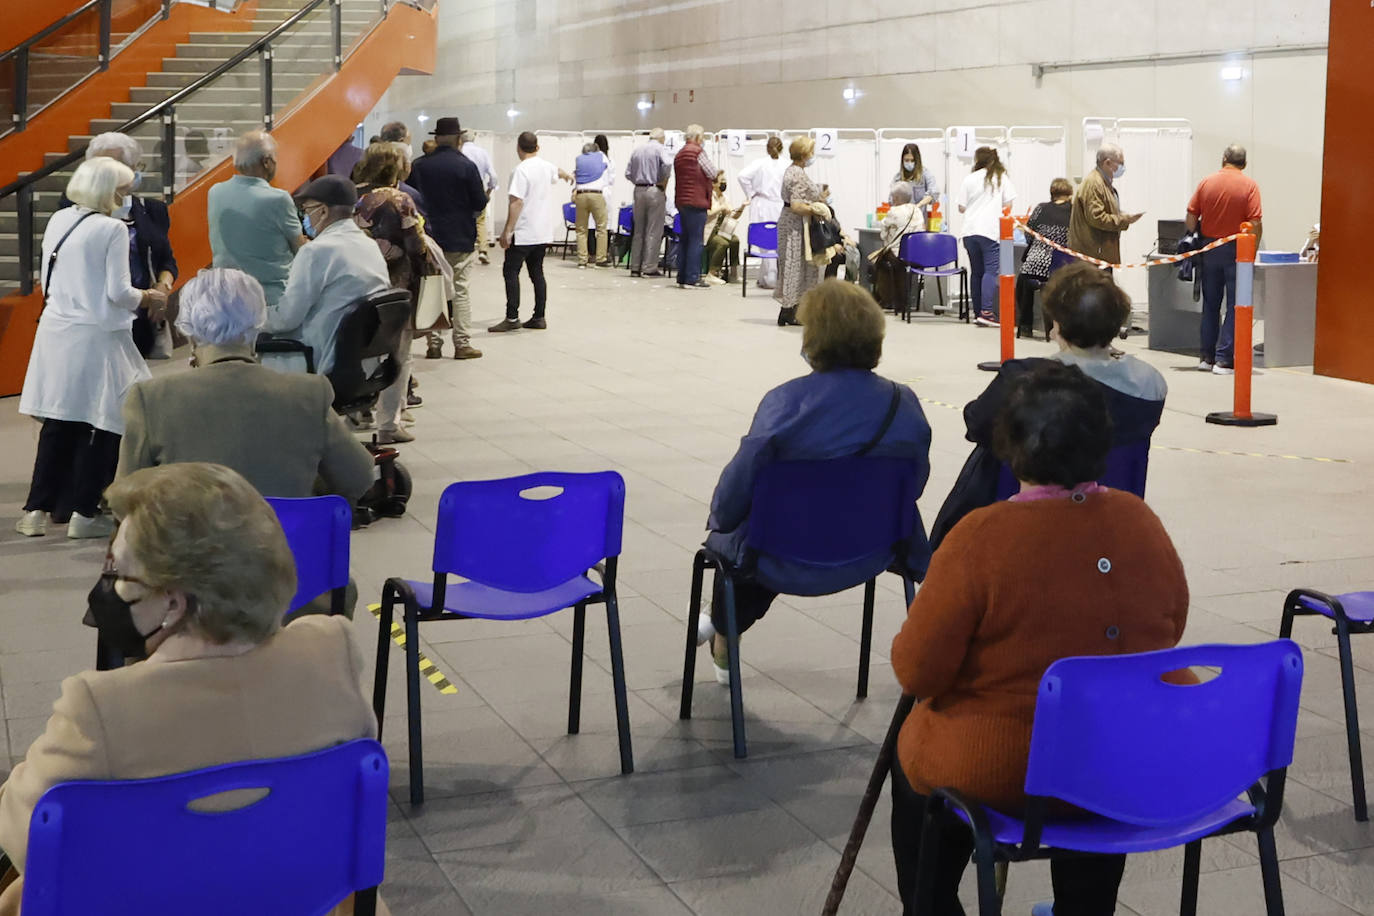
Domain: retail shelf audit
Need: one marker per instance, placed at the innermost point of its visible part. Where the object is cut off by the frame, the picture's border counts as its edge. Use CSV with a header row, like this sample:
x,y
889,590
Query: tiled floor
x,y
659,384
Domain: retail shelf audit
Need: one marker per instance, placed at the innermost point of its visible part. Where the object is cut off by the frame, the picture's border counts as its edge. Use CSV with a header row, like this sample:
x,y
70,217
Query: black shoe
x,y
535,324
414,400
787,317
636,273
510,324
434,350
653,273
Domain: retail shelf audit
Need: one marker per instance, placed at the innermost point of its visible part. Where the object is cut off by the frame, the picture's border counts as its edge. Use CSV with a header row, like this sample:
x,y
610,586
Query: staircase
x,y
209,121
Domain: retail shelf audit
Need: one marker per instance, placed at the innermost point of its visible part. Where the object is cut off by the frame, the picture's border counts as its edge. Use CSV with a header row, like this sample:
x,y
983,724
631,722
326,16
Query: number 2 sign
x,y
827,141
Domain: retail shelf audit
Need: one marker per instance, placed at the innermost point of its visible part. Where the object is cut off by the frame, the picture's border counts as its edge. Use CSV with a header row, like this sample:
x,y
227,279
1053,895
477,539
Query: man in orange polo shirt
x,y
1223,200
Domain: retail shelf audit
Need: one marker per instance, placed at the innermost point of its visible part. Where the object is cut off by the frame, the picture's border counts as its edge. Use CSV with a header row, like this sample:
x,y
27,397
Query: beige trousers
x,y
593,203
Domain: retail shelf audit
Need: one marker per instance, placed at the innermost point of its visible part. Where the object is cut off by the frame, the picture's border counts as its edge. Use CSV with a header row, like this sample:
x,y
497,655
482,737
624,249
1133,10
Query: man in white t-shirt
x,y
529,230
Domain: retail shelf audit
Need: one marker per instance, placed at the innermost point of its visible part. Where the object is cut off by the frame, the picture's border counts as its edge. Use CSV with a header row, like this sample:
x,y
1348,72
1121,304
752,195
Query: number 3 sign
x,y
827,141
734,143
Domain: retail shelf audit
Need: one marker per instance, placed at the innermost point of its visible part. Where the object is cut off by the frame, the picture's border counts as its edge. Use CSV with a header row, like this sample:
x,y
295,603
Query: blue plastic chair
x,y
763,244
829,513
569,228
1127,467
1156,765
624,231
316,837
928,254
318,531
671,237
523,556
1352,613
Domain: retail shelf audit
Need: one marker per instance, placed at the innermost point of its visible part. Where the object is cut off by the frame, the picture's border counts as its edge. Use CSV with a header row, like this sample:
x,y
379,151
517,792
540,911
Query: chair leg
x,y
989,901
1192,866
1286,622
336,601
383,657
622,702
575,679
689,663
1269,871
732,642
908,590
417,765
1352,720
365,902
744,277
866,638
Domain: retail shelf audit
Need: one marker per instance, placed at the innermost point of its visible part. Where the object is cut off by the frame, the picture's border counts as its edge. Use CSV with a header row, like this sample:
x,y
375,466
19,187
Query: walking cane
x,y
865,815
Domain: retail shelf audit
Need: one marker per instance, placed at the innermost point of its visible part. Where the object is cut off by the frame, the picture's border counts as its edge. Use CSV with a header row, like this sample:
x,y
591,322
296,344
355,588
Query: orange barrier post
x,y
1243,352
1006,292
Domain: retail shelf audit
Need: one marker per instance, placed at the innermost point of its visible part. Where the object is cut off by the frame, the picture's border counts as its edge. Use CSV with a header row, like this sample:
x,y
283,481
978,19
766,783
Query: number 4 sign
x,y
827,141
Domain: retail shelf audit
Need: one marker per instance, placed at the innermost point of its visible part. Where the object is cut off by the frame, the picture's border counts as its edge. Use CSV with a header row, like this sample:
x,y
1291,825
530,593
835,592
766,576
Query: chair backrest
x,y
928,249
570,214
1114,738
318,530
833,512
371,329
677,224
508,534
763,237
1059,259
137,846
1127,467
627,220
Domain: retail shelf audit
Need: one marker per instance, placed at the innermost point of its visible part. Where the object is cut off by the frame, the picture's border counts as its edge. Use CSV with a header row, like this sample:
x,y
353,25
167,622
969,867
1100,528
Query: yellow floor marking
x,y
428,670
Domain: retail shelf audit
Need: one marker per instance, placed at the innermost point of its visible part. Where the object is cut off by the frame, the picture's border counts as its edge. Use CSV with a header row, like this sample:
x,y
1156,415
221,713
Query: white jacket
x,y
84,360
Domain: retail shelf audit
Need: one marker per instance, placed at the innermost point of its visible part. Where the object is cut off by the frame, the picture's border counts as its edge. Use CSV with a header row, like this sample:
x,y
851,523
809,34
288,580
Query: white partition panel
x,y
622,144
1035,157
562,148
1158,182
504,158
852,174
929,140
957,169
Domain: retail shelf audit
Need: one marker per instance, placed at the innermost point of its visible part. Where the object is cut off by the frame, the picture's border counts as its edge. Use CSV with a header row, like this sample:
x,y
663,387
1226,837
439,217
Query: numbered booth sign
x,y
673,140
734,143
827,141
964,142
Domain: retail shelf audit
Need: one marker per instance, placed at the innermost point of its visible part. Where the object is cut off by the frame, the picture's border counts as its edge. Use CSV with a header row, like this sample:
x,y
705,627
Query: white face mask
x,y
123,209
810,162
1120,170
909,165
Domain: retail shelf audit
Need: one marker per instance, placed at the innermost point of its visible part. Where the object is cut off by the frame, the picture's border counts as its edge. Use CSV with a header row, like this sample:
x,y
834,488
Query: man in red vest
x,y
695,174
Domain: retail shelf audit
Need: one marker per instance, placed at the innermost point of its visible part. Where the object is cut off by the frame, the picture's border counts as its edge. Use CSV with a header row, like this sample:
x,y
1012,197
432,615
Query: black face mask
x,y
114,618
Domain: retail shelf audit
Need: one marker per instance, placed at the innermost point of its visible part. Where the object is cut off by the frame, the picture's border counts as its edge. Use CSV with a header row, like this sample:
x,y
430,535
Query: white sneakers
x,y
102,526
1204,366
706,633
32,524
1219,369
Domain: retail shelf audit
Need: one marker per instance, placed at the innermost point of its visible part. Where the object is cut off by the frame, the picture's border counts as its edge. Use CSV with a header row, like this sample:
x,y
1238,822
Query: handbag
x,y
725,229
431,304
825,234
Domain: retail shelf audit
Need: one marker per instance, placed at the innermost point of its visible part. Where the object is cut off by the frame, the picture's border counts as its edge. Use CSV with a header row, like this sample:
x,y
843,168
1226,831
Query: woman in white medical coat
x,y
761,182
84,360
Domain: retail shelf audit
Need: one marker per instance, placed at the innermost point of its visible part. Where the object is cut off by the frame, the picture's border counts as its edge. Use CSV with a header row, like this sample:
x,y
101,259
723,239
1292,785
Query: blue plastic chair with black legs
x,y
525,546
318,530
672,237
1128,466
927,255
763,245
569,228
853,511
624,231
1152,764
1351,614
318,835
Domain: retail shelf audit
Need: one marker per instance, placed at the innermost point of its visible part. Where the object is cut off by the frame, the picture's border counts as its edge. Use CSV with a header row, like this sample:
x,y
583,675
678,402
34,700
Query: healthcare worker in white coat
x,y
84,360
761,182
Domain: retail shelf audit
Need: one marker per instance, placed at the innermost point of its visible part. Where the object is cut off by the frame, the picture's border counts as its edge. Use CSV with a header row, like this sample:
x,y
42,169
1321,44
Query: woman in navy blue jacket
x,y
832,412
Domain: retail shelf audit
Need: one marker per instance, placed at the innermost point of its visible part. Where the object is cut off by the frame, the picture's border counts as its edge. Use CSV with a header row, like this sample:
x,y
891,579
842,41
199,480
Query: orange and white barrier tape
x,y
1163,259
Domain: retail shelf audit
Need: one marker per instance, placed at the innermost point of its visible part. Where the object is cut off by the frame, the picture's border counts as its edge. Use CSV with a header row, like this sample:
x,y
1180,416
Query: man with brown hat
x,y
454,193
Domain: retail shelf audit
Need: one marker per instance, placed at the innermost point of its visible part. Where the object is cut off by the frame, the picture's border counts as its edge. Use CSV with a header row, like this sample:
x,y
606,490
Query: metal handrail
x,y
166,106
36,38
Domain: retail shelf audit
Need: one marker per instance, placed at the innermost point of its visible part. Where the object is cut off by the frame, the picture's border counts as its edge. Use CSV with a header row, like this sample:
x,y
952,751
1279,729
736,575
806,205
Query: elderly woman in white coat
x,y
84,360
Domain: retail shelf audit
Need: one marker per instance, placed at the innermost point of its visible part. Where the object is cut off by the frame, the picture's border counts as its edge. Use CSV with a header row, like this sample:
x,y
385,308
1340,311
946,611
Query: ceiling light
x,y
850,94
644,104
422,118
512,113
1231,74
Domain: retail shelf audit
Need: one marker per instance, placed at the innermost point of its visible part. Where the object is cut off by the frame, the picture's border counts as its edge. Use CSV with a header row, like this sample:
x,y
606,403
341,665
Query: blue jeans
x,y
1218,332
690,247
983,265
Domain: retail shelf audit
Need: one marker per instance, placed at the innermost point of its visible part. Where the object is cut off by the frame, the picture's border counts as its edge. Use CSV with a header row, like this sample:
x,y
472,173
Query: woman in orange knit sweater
x,y
1066,567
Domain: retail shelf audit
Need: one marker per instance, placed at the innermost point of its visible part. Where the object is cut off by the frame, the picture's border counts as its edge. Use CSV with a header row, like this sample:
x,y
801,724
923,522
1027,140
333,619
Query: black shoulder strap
x,y
52,258
887,421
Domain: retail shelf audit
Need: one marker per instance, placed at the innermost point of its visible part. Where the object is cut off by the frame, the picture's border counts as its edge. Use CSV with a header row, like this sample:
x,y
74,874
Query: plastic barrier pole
x,y
1243,350
1006,292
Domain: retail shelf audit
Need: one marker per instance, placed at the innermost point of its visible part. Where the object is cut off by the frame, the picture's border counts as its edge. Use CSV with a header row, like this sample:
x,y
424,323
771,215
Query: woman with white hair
x,y
84,360
151,262
279,430
197,578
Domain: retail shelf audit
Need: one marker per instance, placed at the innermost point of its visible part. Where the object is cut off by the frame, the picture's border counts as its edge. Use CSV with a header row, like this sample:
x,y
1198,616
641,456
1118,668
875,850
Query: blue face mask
x,y
307,226
138,179
810,162
1120,171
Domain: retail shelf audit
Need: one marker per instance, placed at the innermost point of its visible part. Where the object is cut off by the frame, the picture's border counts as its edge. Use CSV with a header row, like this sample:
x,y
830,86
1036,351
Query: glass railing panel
x,y
64,58
301,57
